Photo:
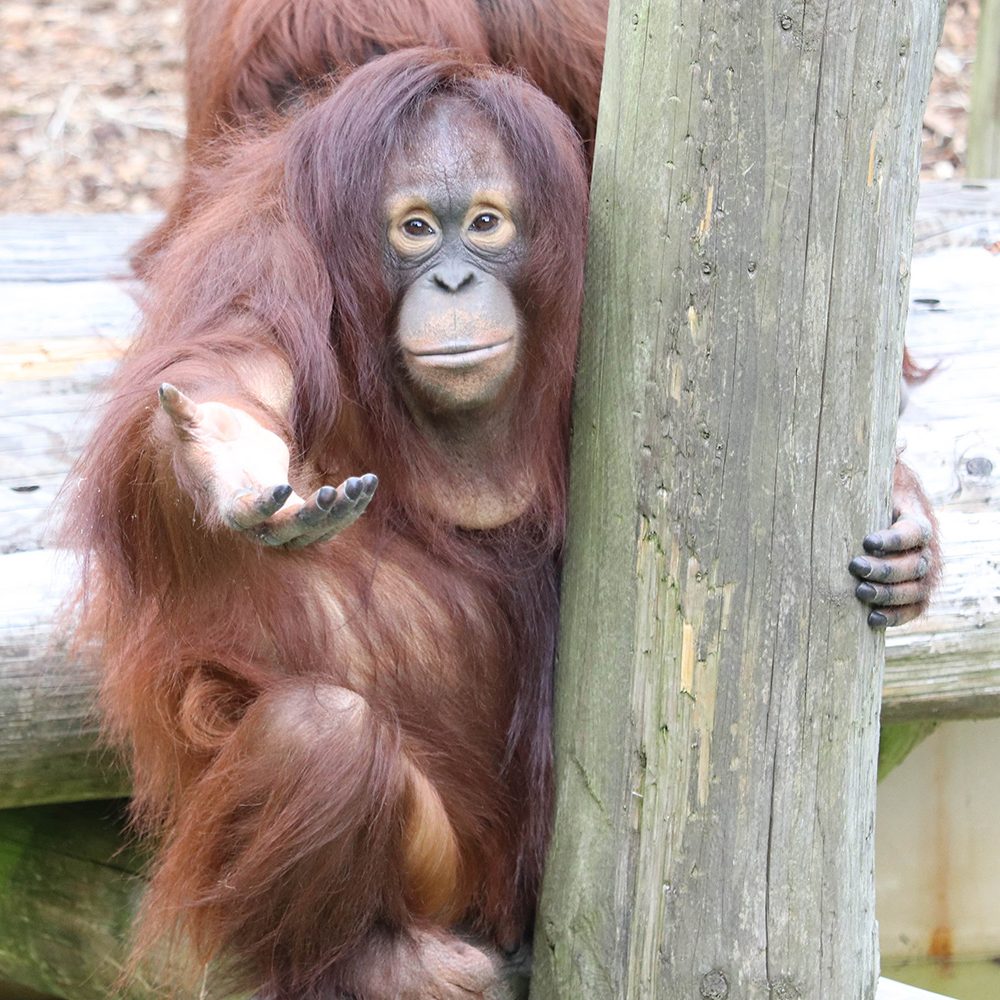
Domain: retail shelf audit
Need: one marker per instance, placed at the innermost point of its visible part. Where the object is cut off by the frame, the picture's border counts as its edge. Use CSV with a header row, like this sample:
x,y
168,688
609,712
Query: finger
x,y
296,520
352,499
910,532
361,488
247,509
894,569
323,505
888,617
182,410
360,496
326,509
892,595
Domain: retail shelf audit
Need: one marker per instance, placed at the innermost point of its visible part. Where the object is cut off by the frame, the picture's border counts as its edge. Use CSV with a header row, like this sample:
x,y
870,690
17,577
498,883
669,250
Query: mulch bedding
x,y
92,116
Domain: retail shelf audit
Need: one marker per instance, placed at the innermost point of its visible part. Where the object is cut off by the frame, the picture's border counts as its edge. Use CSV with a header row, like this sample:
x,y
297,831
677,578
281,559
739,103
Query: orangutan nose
x,y
452,277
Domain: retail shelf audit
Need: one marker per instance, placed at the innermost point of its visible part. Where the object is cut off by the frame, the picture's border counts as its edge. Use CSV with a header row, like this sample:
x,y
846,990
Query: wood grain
x,y
717,696
70,887
49,742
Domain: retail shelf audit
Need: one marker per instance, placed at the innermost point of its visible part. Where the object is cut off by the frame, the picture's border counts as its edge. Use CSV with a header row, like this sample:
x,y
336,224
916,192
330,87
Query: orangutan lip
x,y
458,355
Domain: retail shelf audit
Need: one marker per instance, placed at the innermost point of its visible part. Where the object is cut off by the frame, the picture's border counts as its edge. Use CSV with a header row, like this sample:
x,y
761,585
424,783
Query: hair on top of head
x,y
248,56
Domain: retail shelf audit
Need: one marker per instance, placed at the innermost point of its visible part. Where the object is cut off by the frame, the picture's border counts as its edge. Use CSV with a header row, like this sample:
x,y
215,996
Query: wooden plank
x,y
49,742
16,991
62,247
956,213
947,664
39,312
61,342
69,895
71,885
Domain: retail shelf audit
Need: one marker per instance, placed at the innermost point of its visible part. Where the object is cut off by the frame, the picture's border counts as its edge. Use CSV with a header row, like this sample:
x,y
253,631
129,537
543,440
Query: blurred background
x,y
92,115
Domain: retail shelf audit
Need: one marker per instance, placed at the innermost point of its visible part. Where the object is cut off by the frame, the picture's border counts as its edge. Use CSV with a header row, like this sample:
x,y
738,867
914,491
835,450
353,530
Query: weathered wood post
x,y
718,689
984,114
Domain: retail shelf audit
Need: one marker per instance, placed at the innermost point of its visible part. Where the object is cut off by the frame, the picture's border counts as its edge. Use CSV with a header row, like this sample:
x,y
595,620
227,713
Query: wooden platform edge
x,y
888,989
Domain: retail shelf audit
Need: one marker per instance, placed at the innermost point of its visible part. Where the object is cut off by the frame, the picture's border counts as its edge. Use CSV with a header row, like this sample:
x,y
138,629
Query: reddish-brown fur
x,y
248,56
913,372
342,745
248,59
908,491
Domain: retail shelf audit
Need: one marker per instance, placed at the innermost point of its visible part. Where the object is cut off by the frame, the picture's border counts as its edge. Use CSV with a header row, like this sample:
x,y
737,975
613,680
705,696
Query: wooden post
x,y
717,692
984,112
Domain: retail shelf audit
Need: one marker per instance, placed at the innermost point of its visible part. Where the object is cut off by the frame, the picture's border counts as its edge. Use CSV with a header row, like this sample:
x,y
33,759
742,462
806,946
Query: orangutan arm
x,y
221,455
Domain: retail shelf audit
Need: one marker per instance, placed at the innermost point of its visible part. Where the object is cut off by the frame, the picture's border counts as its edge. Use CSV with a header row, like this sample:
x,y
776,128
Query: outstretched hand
x,y
243,469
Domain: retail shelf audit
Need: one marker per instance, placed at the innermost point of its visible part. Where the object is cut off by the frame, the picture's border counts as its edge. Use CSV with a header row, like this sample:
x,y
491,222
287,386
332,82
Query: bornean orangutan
x,y
340,731
250,59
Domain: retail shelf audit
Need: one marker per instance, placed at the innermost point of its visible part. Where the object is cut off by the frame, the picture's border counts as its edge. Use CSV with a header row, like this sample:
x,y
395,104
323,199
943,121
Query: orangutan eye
x,y
485,222
417,228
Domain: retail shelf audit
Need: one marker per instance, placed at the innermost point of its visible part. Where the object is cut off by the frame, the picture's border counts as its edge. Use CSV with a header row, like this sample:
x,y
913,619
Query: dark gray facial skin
x,y
453,251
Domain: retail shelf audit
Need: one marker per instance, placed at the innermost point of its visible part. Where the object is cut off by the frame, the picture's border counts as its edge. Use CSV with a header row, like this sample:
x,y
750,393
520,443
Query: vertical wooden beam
x,y
984,112
717,705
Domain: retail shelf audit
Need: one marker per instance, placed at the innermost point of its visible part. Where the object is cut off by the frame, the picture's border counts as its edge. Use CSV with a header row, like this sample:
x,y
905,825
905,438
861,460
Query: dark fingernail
x,y
325,497
281,493
865,592
369,481
860,566
872,543
352,488
877,620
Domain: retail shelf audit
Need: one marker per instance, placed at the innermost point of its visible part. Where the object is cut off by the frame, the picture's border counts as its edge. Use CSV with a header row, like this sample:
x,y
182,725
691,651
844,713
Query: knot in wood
x,y
785,22
980,467
714,986
784,990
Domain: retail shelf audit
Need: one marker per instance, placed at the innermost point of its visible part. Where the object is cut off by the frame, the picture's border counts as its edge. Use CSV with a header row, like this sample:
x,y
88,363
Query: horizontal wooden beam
x,y
59,248
66,322
946,665
72,884
70,892
50,750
